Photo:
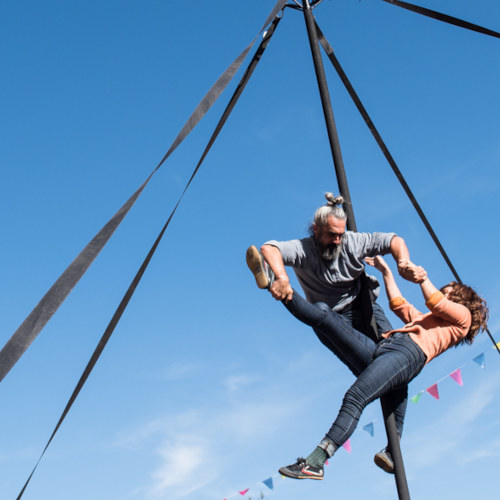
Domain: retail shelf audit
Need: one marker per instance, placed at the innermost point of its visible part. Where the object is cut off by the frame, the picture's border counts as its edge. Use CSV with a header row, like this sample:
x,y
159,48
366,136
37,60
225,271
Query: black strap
x,y
444,17
52,300
130,291
350,89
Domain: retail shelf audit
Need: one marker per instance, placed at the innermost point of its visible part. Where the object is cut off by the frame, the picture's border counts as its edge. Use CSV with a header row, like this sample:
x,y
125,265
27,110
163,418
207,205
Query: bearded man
x,y
328,265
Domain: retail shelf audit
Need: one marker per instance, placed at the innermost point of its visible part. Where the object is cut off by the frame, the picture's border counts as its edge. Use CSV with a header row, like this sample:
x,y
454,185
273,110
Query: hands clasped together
x,y
407,269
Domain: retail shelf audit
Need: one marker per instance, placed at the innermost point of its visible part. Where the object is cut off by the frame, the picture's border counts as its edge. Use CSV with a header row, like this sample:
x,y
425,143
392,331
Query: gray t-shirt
x,y
334,282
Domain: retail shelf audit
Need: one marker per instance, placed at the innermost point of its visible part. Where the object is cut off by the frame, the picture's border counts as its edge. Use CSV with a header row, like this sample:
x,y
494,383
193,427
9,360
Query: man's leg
x,y
383,324
353,347
394,402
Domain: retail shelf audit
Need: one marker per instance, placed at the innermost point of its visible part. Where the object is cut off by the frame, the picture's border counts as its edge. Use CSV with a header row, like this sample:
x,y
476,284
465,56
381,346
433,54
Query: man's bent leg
x,y
383,324
351,346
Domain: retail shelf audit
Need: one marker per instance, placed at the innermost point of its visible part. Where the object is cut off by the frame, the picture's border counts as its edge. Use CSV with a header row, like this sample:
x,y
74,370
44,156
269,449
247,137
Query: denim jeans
x,y
386,367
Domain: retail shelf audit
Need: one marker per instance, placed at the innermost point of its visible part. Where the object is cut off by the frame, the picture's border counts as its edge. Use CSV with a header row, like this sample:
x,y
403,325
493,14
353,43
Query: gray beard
x,y
328,253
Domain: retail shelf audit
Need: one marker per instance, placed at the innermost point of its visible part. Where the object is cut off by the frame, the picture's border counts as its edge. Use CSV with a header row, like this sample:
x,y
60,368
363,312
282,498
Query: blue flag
x,y
269,483
479,360
369,428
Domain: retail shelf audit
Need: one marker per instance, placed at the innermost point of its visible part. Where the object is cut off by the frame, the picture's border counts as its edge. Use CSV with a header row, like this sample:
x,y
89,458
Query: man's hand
x,y
281,289
409,271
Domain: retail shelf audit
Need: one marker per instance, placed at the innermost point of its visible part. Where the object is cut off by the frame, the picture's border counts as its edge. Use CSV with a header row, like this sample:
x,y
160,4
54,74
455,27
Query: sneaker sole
x,y
383,464
254,263
292,475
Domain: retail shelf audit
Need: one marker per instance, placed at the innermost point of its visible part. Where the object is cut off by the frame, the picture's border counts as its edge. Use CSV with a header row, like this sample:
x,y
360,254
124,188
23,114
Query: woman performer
x,y
456,316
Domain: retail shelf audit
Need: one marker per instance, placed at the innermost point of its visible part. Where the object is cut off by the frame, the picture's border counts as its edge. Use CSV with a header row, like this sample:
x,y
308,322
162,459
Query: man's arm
x,y
401,255
280,289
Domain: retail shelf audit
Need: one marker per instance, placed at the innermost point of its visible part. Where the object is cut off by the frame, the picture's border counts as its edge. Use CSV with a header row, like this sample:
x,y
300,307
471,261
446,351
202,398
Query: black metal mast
x,y
390,424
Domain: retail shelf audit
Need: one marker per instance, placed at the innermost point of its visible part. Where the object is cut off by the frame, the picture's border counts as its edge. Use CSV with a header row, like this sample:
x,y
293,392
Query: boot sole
x,y
254,263
383,464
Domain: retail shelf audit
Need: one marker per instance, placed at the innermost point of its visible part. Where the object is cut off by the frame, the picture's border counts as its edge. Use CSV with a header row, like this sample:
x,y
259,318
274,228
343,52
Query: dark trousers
x,y
386,367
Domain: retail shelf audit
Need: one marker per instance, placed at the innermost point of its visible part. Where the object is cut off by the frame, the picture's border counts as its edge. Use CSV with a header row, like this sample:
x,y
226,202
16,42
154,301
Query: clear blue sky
x,y
208,386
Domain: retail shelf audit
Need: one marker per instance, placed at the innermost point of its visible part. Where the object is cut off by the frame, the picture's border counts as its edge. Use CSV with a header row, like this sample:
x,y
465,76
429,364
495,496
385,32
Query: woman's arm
x,y
420,277
418,273
391,288
428,289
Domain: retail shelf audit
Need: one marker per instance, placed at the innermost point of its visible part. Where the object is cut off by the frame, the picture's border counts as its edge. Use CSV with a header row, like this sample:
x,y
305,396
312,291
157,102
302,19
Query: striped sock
x,y
317,458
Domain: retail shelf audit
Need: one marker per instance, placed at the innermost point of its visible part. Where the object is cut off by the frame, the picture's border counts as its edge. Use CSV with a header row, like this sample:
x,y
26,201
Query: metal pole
x,y
390,424
329,118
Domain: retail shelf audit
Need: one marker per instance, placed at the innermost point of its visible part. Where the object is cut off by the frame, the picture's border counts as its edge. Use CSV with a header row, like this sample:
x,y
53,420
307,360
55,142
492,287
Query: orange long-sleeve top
x,y
444,326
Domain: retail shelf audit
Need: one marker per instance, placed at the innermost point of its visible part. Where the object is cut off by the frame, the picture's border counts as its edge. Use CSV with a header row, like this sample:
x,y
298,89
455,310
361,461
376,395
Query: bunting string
x,y
262,489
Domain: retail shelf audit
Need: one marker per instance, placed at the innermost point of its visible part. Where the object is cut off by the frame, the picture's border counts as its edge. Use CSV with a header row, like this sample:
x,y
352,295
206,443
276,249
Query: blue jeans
x,y
381,368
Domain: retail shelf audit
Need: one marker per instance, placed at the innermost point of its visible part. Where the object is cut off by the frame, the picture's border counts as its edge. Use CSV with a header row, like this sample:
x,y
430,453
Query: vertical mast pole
x,y
390,423
329,118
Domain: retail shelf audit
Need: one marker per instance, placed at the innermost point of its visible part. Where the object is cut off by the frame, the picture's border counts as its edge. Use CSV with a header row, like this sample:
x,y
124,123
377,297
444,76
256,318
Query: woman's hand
x,y
378,262
411,272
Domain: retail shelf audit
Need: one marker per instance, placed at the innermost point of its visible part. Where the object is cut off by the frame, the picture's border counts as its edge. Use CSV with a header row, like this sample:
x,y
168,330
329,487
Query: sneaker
x,y
383,459
302,470
264,276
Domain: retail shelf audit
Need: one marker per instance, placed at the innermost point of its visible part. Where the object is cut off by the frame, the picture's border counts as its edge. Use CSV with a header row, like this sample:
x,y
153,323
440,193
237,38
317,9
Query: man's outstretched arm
x,y
401,255
280,289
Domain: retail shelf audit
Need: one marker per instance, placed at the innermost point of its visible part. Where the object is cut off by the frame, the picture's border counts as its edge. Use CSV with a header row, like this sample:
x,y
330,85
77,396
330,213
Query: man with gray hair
x,y
329,265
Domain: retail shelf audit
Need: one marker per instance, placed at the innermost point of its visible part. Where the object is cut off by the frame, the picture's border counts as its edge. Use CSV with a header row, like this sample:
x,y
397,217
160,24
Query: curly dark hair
x,y
465,295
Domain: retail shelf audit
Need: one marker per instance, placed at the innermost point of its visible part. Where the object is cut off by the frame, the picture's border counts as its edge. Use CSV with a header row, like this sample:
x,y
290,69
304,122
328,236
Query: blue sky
x,y
208,386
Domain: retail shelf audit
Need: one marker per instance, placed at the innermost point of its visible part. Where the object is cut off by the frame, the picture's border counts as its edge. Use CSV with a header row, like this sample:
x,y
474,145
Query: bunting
x,y
457,376
269,483
416,398
480,360
370,429
432,390
347,446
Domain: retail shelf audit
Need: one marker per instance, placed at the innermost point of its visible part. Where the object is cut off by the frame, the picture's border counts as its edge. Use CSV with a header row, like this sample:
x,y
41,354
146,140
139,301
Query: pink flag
x,y
244,491
457,376
347,445
433,391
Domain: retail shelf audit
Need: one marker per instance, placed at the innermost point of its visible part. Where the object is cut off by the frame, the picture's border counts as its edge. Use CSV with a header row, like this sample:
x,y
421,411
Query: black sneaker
x,y
264,276
383,459
302,470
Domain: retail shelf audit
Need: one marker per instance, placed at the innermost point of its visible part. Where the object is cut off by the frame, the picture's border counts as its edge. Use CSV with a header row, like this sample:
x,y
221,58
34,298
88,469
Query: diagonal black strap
x,y
350,89
52,300
130,291
444,17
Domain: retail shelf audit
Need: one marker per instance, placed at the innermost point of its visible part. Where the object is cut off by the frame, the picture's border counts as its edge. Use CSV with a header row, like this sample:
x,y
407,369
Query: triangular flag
x,y
457,376
244,491
326,462
433,391
347,445
497,345
269,483
369,428
415,399
479,360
